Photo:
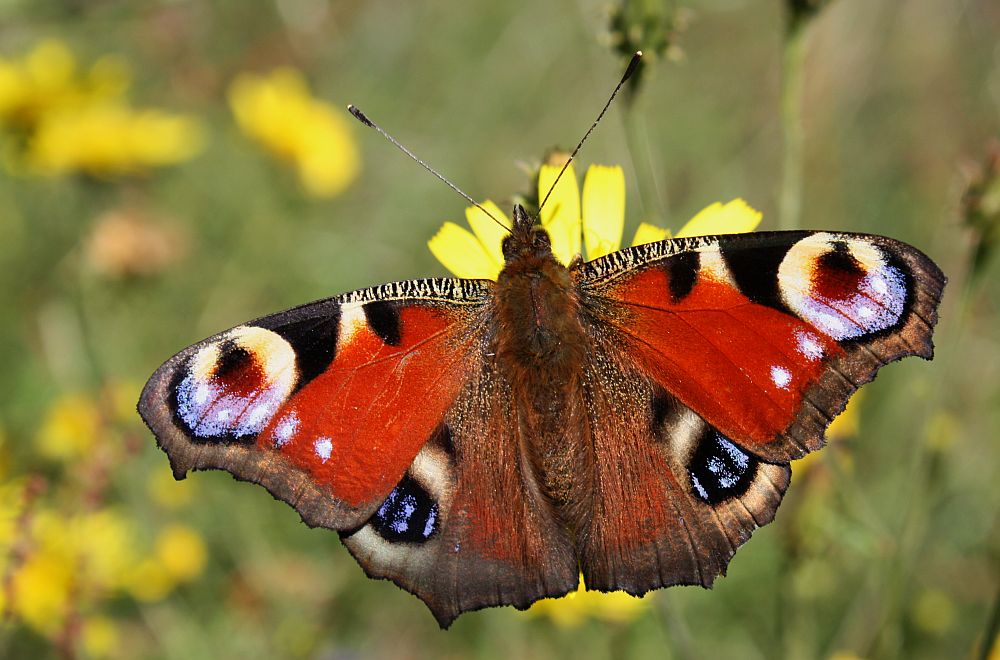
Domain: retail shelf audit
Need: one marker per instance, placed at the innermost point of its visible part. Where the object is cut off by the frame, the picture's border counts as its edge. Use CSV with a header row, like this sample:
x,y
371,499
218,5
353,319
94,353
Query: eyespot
x,y
233,386
845,286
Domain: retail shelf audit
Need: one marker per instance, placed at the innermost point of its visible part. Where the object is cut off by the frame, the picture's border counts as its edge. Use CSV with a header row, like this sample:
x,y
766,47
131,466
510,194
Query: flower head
x,y
278,111
108,140
590,224
48,78
67,121
581,605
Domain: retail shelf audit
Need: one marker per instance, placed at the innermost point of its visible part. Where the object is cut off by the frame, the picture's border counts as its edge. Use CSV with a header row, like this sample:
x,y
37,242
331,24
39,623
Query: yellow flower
x,y
593,223
579,606
148,581
71,123
166,491
179,555
843,427
105,544
279,112
47,79
933,611
99,637
182,552
41,589
111,139
70,429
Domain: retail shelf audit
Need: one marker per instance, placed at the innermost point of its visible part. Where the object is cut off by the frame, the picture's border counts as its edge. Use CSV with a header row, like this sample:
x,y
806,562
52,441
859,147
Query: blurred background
x,y
172,168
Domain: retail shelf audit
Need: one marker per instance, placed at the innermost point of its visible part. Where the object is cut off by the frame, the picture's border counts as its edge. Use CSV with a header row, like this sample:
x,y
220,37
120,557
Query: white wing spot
x,y
808,346
223,414
781,377
286,428
323,448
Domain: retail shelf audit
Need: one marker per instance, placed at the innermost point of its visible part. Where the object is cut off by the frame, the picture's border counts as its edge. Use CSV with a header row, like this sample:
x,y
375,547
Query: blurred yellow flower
x,y
594,222
846,424
46,79
843,427
168,492
12,499
581,605
99,637
933,611
279,112
179,555
111,139
68,123
182,552
148,581
41,588
70,428
105,544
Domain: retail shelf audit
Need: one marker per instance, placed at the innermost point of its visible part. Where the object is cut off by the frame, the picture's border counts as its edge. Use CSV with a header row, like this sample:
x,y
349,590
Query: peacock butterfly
x,y
483,443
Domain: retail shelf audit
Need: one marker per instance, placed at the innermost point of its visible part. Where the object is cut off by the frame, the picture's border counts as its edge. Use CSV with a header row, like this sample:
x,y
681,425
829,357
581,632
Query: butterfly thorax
x,y
540,347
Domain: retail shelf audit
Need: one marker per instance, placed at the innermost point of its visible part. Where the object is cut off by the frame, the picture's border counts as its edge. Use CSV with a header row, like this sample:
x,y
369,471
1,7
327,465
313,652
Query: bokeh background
x,y
172,168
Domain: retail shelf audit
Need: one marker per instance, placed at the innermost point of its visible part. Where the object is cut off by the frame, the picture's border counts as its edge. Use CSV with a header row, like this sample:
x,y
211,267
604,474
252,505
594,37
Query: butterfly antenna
x,y
363,118
629,70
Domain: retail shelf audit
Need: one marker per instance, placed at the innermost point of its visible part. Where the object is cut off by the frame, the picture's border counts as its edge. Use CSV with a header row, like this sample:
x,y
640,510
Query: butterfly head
x,y
526,239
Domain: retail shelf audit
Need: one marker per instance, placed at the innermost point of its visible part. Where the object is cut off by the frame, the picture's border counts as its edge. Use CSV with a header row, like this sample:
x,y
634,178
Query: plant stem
x,y
792,82
652,197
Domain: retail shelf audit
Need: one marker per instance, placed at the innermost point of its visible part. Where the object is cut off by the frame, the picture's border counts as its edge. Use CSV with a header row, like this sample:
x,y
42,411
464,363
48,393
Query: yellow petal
x,y
735,217
561,213
462,253
603,209
647,233
490,234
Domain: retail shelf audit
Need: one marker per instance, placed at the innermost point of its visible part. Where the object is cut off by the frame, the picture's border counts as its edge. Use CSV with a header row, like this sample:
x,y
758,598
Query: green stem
x,y
652,198
792,82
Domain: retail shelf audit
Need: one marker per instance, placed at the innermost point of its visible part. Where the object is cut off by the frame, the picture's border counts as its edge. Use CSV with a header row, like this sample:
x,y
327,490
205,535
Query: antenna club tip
x,y
360,116
632,65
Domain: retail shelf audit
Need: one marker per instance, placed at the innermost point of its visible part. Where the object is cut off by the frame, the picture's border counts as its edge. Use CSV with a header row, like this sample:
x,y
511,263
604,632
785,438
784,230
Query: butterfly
x,y
629,419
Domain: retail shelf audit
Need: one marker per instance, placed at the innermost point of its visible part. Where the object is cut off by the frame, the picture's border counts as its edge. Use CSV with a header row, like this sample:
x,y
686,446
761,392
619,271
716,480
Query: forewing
x,y
325,405
766,335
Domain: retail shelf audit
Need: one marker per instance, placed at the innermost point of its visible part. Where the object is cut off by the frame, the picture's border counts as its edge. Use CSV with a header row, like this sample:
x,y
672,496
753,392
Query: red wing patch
x,y
357,426
744,367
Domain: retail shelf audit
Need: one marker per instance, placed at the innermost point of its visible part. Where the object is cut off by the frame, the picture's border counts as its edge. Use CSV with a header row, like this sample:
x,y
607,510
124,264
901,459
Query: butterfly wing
x,y
378,414
738,352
